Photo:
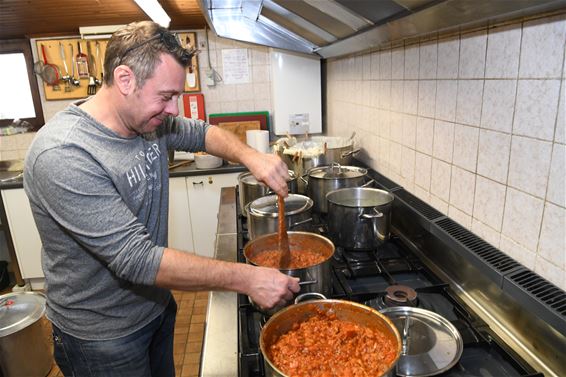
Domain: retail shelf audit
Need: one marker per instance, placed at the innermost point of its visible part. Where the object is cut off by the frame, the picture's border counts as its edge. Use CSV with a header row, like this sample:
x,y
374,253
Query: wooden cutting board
x,y
240,128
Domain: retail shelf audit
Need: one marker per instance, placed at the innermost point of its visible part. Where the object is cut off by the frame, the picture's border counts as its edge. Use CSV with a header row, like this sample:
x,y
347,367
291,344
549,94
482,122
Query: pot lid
x,y
430,343
248,178
267,205
19,310
337,171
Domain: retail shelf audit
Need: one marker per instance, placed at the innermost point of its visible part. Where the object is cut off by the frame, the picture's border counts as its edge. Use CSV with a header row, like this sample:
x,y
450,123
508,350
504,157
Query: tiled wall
x,y
252,96
473,124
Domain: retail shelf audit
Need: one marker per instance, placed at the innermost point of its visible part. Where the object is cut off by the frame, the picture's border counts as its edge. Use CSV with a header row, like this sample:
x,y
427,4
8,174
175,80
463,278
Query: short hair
x,y
139,45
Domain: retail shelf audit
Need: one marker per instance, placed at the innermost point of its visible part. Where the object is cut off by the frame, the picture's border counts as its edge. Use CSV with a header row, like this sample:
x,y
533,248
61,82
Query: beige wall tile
x,y
503,47
443,143
529,165
522,218
448,58
472,55
440,180
552,244
489,202
466,140
493,155
411,62
446,91
542,48
424,135
535,111
428,60
498,105
468,106
557,179
462,187
427,98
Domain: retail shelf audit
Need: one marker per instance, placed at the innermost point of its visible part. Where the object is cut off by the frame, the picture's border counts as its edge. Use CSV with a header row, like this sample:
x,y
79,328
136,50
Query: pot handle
x,y
350,153
373,215
300,298
300,222
368,183
302,178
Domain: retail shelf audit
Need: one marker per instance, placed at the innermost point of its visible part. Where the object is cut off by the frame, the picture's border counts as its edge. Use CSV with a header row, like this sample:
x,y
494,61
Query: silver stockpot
x,y
263,214
312,153
323,179
250,188
315,278
359,217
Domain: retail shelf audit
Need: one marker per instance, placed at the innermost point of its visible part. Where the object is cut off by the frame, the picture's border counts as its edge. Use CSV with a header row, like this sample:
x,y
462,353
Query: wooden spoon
x,y
283,237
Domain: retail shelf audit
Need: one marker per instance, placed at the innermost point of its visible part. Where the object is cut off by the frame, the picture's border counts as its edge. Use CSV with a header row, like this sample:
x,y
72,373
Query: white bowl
x,y
207,161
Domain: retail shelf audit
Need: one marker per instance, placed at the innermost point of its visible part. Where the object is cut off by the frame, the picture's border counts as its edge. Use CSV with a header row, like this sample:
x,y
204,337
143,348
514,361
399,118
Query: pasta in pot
x,y
325,346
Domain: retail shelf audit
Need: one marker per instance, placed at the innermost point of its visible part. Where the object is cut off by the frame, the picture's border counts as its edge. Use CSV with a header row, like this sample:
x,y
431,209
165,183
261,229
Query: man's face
x,y
158,98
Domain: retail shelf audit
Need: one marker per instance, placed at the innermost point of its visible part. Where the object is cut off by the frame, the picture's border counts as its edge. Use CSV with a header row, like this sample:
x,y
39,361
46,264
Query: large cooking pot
x,y
288,318
323,179
316,151
250,188
359,217
24,346
314,278
263,214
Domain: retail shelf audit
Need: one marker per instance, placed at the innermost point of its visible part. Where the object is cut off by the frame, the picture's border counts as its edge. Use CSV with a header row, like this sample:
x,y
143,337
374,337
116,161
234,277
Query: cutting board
x,y
240,128
261,116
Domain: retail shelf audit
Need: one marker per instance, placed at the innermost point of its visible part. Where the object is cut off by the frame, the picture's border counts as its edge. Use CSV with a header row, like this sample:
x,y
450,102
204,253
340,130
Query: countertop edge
x,y
181,171
220,345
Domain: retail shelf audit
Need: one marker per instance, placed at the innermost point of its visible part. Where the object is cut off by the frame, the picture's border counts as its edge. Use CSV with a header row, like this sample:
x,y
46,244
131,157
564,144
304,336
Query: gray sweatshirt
x,y
100,203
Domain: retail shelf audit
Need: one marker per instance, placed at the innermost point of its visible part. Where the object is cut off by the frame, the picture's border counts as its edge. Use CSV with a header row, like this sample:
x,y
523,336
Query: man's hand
x,y
271,170
270,288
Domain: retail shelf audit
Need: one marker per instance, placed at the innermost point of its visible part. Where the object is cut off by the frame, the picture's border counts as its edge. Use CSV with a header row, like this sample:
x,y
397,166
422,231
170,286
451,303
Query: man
x,y
97,179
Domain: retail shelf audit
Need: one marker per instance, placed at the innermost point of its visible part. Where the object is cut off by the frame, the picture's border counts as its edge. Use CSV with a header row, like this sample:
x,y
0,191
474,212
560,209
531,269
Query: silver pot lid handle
x,y
300,298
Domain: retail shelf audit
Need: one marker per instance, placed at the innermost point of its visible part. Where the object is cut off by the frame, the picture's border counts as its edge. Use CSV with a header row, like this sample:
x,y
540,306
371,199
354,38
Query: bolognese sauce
x,y
325,346
300,258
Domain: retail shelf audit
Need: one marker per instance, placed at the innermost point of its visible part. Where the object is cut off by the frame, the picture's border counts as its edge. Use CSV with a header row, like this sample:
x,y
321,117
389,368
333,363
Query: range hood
x,y
333,28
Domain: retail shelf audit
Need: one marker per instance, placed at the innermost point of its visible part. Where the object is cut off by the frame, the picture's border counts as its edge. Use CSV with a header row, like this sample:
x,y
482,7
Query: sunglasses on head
x,y
168,39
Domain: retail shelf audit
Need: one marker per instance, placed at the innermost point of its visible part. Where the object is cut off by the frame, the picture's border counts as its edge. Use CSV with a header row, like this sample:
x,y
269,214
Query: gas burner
x,y
358,256
400,295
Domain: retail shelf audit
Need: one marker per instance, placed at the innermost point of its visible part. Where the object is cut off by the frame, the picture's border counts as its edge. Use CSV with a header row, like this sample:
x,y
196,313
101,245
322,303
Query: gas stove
x,y
391,275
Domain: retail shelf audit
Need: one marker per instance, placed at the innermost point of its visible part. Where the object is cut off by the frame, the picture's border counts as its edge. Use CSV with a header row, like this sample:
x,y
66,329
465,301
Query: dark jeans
x,y
147,352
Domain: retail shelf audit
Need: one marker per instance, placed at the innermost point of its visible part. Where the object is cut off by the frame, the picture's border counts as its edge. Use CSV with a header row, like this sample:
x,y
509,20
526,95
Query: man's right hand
x,y
270,288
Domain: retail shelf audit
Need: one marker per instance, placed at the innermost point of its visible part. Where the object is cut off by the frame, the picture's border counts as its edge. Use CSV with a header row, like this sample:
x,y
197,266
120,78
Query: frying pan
x,y
50,72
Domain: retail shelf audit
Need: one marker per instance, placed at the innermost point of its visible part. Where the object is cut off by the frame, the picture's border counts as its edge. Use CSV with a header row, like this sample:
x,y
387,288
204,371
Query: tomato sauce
x,y
300,258
324,346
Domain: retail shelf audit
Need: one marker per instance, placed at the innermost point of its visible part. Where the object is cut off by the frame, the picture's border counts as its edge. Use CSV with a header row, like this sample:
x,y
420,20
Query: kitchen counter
x,y
220,347
181,171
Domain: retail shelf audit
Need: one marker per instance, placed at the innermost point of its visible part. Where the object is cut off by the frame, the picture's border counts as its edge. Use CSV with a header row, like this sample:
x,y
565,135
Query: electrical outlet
x,y
210,77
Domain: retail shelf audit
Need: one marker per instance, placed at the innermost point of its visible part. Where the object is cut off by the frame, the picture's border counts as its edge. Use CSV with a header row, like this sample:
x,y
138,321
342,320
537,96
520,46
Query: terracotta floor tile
x,y
195,337
192,347
200,302
199,309
192,358
197,318
178,358
203,294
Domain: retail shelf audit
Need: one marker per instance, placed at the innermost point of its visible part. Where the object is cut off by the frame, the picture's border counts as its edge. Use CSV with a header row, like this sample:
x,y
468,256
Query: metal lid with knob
x,y
20,310
335,171
267,206
430,343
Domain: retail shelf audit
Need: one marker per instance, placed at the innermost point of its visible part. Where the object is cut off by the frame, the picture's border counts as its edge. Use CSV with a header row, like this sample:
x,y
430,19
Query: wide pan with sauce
x,y
367,337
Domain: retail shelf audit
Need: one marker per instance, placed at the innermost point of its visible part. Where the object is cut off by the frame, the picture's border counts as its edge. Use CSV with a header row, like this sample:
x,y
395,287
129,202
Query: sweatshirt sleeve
x,y
84,202
185,134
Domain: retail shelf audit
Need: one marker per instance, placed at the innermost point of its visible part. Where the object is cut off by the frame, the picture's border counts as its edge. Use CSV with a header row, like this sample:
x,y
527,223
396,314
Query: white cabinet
x,y
204,200
180,236
25,236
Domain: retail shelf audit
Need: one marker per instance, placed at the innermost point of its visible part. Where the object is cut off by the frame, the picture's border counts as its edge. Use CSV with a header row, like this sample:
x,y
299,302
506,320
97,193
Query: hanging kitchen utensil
x,y
191,76
101,60
50,73
91,89
65,78
74,80
82,63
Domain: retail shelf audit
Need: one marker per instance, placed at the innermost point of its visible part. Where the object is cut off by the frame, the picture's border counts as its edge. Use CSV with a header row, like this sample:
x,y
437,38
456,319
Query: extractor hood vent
x,y
332,28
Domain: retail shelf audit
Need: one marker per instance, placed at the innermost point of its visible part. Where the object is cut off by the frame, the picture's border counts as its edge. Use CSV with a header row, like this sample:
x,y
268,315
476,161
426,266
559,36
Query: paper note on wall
x,y
235,66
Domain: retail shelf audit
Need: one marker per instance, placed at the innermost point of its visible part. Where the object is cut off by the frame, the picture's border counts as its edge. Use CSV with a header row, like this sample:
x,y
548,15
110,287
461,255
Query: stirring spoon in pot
x,y
283,237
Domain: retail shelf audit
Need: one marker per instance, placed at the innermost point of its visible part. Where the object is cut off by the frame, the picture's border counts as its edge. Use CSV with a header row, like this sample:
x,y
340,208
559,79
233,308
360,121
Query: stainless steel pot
x,y
263,214
24,346
317,151
315,278
250,188
359,217
323,179
283,321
